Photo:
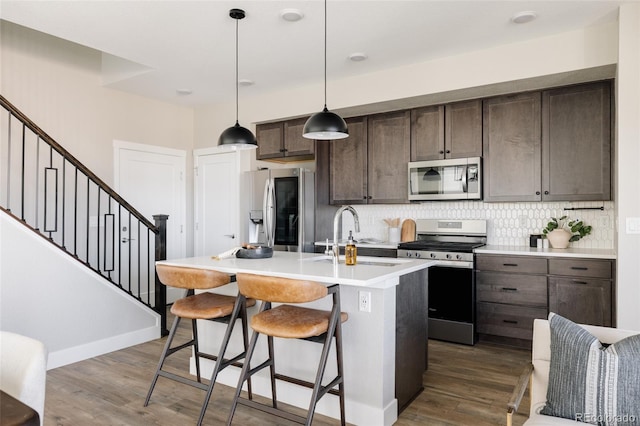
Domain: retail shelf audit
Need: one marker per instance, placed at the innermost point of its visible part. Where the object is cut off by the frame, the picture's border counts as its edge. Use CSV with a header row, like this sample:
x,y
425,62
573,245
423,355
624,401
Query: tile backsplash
x,y
508,224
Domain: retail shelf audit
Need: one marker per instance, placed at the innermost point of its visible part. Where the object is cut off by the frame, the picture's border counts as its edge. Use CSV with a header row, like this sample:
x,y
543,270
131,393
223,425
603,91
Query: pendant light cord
x,y
325,54
237,71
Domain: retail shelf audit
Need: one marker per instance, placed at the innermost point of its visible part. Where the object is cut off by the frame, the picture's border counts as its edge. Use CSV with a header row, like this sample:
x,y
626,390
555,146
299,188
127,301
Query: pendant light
x,y
236,136
325,125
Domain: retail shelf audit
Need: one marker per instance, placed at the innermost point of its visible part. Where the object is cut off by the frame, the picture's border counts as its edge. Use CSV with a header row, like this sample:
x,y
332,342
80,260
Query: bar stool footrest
x,y
171,351
323,390
183,380
225,362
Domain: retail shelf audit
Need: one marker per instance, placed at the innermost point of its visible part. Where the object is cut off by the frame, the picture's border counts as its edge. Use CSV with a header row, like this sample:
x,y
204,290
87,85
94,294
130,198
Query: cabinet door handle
x,y
537,192
546,192
579,268
509,264
369,197
509,289
580,282
448,152
510,321
441,152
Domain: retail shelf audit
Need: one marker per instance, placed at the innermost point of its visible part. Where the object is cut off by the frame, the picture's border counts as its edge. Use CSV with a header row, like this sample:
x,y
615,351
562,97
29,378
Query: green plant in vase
x,y
560,232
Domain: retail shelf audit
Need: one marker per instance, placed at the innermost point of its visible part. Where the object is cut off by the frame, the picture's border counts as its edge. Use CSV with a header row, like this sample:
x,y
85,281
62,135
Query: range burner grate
x,y
449,246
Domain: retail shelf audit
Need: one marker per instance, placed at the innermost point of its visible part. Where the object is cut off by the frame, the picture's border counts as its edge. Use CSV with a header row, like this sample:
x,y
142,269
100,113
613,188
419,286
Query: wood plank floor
x,y
463,386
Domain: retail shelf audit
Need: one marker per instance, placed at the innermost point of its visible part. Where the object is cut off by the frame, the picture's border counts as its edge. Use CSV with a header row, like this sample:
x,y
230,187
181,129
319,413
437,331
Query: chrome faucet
x,y
336,220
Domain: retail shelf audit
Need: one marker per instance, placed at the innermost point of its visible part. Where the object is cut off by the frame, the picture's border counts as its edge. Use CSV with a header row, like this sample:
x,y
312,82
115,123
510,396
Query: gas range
x,y
448,241
451,283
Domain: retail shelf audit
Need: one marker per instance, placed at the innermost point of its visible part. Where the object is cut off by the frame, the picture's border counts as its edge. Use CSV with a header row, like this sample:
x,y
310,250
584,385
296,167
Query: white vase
x,y
559,238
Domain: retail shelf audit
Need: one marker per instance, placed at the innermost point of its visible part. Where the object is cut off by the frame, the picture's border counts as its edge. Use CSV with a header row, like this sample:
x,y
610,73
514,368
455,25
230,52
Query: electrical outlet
x,y
364,301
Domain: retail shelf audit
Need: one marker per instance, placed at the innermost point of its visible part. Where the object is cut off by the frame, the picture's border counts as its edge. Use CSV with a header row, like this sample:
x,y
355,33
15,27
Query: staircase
x,y
50,192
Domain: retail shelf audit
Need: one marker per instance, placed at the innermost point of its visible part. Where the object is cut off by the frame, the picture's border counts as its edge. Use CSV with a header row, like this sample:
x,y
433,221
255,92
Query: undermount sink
x,y
369,261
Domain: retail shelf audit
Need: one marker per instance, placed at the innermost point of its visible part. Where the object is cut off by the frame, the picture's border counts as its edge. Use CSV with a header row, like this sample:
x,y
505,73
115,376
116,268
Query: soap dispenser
x,y
350,251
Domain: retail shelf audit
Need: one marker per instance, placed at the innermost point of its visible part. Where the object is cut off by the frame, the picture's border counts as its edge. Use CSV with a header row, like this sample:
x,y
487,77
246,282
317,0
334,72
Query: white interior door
x,y
216,202
152,180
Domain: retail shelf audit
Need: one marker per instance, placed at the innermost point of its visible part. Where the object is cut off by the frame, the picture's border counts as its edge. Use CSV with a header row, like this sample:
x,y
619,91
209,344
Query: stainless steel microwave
x,y
456,179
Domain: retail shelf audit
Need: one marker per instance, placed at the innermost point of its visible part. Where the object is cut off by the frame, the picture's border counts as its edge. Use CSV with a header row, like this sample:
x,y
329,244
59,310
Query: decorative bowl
x,y
255,253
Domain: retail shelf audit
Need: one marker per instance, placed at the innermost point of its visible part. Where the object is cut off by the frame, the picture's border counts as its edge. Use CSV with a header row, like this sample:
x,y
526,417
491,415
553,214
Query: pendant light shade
x,y
236,136
325,125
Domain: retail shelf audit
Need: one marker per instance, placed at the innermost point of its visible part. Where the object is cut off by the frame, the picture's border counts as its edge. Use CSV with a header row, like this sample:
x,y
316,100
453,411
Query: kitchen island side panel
x,y
411,336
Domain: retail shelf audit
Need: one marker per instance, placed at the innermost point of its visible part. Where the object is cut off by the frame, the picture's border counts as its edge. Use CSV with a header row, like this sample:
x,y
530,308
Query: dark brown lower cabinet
x,y
582,300
511,321
512,291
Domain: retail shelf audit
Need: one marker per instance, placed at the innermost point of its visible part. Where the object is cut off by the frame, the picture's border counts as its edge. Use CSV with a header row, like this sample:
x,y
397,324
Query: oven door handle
x,y
455,264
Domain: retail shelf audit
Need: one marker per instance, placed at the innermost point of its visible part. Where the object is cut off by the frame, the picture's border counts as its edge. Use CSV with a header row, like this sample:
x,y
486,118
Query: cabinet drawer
x,y
520,264
526,290
508,320
581,268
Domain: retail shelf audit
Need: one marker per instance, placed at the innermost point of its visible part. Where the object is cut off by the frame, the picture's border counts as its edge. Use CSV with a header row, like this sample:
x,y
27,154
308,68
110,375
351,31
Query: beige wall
x,y
58,85
628,159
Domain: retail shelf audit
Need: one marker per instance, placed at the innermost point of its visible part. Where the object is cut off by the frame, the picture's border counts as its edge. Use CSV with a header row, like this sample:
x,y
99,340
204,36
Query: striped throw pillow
x,y
589,382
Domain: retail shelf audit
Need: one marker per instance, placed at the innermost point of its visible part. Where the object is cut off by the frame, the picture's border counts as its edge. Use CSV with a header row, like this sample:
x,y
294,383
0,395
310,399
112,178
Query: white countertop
x,y
311,266
548,252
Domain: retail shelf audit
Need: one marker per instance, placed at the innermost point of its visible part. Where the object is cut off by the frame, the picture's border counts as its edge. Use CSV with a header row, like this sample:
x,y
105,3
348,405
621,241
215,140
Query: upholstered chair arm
x,y
518,392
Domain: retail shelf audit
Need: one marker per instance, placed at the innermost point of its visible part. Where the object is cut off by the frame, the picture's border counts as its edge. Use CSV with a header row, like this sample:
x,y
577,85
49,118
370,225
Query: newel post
x,y
161,254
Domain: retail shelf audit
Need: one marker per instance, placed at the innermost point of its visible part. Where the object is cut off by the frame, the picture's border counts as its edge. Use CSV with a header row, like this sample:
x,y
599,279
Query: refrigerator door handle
x,y
265,212
272,211
269,214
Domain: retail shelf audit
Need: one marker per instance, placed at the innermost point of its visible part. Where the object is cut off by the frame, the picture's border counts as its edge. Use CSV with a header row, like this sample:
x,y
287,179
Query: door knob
x,y
232,236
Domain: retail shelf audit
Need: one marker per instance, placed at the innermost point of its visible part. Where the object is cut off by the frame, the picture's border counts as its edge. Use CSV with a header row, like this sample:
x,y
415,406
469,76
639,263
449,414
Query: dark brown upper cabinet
x,y
348,165
427,133
447,131
463,129
388,155
553,145
512,148
283,141
370,166
576,143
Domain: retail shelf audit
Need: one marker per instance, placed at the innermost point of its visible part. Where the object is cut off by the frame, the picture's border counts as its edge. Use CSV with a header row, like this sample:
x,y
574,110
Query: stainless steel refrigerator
x,y
281,210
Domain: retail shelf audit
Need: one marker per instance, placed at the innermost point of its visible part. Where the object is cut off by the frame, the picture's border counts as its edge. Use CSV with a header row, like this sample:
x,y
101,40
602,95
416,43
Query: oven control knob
x,y
418,254
433,255
408,254
459,257
448,256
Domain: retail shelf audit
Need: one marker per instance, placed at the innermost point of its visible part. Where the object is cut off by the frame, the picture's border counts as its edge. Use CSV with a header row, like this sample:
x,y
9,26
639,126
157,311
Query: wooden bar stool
x,y
203,306
292,322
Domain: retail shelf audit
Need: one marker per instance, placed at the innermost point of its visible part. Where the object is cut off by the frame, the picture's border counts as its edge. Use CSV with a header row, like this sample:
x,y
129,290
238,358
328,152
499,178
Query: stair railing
x,y
47,189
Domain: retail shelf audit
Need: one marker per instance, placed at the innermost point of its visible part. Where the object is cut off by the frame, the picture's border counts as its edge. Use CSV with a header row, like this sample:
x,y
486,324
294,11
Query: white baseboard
x,y
79,353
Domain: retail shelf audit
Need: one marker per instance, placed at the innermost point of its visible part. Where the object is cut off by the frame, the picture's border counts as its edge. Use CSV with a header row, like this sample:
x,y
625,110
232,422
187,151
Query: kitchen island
x,y
391,324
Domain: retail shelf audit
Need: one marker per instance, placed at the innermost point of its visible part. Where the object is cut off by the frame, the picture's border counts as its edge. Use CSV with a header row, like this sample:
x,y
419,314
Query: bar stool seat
x,y
297,322
293,322
202,306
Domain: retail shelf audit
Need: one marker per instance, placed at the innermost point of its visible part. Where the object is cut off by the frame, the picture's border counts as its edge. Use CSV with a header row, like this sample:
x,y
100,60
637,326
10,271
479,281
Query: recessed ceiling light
x,y
291,15
358,56
245,82
524,17
184,91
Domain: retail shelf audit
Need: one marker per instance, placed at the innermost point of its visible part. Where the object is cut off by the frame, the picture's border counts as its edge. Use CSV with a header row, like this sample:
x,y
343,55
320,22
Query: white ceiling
x,y
153,48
